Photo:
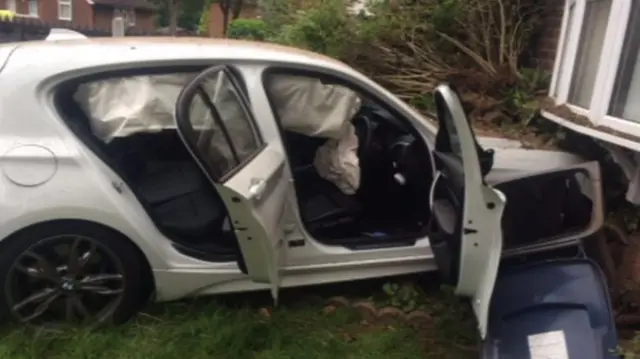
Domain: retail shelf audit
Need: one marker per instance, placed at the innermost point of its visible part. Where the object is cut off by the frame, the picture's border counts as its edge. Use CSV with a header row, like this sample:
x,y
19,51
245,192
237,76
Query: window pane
x,y
569,30
209,140
11,5
624,101
33,7
226,141
594,26
64,11
231,109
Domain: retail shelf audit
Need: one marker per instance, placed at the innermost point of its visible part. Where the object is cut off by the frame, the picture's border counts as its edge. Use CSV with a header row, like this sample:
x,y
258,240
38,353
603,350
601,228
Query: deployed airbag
x,y
119,107
307,106
337,161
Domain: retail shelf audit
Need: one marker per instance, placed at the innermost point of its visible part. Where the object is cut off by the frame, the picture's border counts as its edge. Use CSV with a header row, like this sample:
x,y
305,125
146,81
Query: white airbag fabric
x,y
337,161
305,105
120,107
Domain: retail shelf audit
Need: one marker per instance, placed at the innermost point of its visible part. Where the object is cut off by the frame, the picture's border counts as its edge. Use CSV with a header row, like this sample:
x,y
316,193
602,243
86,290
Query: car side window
x,y
220,126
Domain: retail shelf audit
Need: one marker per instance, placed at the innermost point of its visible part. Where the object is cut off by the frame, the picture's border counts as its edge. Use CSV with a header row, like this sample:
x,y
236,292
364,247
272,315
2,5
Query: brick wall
x,y
48,11
546,42
103,17
84,15
145,21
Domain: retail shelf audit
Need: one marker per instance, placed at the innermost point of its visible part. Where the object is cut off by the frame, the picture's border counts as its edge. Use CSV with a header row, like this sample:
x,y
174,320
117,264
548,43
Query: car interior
x,y
169,184
390,208
391,205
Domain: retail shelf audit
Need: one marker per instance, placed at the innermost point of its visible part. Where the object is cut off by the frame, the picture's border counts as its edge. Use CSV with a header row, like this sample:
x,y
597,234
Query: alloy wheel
x,y
65,280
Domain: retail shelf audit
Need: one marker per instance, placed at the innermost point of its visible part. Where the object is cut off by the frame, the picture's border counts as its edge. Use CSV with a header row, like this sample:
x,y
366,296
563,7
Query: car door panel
x,y
460,195
215,122
568,202
256,217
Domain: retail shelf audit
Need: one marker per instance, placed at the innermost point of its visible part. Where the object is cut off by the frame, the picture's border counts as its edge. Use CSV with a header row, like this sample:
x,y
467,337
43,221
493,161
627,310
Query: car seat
x,y
179,196
322,204
175,193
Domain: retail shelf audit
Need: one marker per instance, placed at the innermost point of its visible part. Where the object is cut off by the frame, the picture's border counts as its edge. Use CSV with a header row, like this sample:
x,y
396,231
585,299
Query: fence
x,y
23,29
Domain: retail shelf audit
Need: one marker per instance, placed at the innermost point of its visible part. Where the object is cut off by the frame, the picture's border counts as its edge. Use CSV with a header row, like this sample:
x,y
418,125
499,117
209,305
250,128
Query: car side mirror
x,y
486,159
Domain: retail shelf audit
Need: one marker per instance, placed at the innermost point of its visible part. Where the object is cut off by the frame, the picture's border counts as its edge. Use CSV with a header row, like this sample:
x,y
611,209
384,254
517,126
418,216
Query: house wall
x,y
546,44
84,15
145,21
48,11
103,17
216,18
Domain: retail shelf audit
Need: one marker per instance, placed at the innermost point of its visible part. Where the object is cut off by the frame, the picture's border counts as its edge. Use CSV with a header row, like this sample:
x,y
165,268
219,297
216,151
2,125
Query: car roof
x,y
70,53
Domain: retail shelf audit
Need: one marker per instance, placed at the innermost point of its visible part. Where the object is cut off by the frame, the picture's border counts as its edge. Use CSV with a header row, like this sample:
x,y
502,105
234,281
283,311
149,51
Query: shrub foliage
x,y
251,29
481,46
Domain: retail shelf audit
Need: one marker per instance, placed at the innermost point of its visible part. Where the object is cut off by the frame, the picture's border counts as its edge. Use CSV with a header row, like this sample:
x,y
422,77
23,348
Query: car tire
x,y
115,246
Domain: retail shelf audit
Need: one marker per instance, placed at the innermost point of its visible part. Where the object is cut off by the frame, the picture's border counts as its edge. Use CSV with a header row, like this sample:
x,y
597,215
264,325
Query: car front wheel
x,y
69,273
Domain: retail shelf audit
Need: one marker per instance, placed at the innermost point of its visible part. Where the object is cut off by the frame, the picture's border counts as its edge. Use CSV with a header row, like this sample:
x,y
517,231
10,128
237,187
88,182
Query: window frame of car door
x,y
233,77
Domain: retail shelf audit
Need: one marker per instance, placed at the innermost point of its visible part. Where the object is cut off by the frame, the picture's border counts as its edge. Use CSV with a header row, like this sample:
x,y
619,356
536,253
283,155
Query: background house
x,y
86,13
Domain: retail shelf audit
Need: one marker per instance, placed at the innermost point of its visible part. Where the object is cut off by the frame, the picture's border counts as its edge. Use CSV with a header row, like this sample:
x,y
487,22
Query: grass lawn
x,y
241,326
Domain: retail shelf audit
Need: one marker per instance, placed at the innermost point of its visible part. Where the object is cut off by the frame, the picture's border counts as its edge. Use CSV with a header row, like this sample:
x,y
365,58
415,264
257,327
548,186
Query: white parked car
x,y
180,167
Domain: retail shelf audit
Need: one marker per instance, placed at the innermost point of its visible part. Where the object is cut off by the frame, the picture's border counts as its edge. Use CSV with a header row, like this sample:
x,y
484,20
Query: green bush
x,y
325,28
410,47
277,13
250,29
203,26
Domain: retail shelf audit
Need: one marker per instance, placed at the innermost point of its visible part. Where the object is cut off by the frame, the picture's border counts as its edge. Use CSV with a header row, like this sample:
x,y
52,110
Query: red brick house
x,y
86,13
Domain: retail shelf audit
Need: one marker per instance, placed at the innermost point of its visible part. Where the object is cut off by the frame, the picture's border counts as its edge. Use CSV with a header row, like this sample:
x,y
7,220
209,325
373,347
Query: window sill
x,y
615,142
565,117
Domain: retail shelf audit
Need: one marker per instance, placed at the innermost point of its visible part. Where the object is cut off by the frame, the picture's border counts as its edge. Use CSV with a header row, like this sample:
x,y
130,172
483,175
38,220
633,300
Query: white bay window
x,y
597,70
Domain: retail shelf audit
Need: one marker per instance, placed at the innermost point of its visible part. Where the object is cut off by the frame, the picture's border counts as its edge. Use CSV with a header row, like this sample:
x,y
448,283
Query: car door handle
x,y
257,187
469,231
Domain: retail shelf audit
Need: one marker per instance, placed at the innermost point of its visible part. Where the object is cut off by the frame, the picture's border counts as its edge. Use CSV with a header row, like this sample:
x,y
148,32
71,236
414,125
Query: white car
x,y
180,167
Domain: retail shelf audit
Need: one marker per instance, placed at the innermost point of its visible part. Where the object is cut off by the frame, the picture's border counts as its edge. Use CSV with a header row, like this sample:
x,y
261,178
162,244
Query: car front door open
x,y
466,231
216,124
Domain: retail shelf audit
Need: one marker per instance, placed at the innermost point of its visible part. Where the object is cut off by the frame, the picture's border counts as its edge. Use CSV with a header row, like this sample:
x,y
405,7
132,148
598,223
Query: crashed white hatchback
x,y
191,166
